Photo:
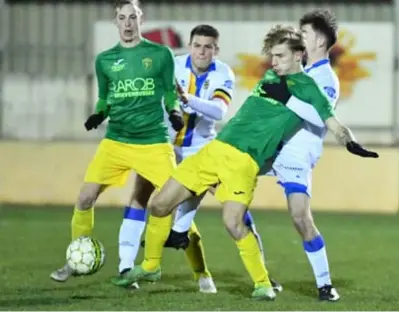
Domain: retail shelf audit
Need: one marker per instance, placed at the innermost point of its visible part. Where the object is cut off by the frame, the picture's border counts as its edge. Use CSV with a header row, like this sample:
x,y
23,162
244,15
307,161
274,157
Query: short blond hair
x,y
283,34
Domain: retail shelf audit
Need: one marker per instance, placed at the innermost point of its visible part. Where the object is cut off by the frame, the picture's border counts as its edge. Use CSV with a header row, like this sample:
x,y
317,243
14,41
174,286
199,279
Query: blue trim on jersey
x,y
199,82
314,245
317,64
134,214
211,67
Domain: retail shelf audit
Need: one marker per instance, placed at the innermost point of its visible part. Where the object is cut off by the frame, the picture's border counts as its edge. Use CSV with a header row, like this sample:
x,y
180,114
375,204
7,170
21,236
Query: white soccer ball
x,y
85,255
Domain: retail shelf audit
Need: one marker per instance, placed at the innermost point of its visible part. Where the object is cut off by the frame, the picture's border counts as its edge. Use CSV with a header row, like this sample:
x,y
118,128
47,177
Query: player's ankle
x,y
150,266
204,274
262,284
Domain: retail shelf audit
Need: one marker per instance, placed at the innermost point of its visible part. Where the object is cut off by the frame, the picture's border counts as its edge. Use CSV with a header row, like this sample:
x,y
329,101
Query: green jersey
x,y
132,82
264,120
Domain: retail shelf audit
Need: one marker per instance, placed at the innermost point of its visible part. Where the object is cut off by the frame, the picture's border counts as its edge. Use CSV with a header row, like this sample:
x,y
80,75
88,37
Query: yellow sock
x,y
195,254
252,258
155,237
82,223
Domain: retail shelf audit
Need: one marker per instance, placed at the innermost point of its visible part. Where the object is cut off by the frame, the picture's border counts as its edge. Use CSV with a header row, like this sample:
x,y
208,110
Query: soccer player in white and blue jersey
x,y
294,164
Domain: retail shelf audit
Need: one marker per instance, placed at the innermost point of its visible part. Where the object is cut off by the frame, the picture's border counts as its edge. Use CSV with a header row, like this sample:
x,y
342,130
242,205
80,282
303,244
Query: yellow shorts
x,y
114,160
222,163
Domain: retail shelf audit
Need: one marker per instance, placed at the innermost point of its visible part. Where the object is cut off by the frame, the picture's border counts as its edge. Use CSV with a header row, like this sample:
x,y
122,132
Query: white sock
x,y
317,255
185,214
130,232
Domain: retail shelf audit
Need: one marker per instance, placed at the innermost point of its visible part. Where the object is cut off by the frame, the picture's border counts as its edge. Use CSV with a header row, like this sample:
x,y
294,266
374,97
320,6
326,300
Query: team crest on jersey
x,y
147,63
206,84
331,92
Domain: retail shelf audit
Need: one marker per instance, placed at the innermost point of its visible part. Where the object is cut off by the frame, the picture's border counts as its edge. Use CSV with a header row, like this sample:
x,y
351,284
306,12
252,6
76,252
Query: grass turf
x,y
362,252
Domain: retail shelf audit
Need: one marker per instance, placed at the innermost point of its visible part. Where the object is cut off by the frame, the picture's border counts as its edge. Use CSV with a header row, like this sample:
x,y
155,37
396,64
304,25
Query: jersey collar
x,y
317,64
212,66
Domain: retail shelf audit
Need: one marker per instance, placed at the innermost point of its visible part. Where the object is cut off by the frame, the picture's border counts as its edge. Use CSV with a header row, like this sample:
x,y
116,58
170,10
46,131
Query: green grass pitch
x,y
362,249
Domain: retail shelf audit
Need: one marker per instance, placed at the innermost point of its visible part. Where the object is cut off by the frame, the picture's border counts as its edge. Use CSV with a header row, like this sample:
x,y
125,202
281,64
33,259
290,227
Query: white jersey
x,y
308,142
215,85
295,161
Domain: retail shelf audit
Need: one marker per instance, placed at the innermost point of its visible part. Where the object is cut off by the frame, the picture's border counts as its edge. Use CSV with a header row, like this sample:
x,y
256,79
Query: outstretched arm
x,y
345,137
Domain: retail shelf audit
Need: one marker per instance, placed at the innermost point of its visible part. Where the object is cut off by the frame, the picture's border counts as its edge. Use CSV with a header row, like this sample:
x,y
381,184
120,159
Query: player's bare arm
x,y
345,137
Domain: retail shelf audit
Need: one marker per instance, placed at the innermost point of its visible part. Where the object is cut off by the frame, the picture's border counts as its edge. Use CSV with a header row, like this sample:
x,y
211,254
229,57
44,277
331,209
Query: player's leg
x,y
238,176
195,252
233,213
194,249
313,242
82,222
192,177
186,235
295,177
133,224
249,221
185,213
105,169
161,207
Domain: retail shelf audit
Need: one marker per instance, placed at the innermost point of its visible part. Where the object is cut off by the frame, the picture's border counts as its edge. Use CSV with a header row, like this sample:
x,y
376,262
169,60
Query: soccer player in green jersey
x,y
133,79
274,111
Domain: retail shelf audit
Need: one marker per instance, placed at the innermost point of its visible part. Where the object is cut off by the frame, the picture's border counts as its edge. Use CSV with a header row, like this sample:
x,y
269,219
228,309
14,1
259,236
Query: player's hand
x,y
94,121
355,148
176,119
181,94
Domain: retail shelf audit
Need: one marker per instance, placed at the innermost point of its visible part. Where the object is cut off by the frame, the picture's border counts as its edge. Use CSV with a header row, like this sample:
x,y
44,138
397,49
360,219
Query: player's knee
x,y
158,207
303,222
299,206
235,226
86,201
88,196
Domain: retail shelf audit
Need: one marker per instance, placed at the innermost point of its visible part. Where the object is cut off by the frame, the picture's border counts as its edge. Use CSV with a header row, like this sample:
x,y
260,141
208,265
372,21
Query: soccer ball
x,y
85,255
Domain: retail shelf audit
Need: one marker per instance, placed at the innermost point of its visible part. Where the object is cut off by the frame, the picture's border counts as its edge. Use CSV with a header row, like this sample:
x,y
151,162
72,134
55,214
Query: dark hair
x,y
322,21
283,34
204,30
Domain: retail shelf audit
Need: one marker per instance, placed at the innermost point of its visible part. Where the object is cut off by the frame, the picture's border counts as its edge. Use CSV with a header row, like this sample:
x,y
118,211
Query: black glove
x,y
355,148
176,119
94,121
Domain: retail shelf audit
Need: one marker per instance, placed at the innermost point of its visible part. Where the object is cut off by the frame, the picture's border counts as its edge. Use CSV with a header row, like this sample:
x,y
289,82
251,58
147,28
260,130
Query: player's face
x,y
314,41
128,20
285,61
203,50
310,37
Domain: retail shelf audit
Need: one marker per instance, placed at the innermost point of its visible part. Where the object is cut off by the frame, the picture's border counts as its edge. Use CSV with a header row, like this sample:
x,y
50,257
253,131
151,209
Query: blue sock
x,y
248,220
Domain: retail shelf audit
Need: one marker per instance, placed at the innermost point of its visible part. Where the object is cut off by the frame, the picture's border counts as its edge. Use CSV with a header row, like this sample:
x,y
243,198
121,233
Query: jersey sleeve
x,y
168,79
320,102
224,91
309,102
102,80
330,87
